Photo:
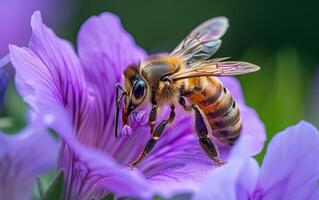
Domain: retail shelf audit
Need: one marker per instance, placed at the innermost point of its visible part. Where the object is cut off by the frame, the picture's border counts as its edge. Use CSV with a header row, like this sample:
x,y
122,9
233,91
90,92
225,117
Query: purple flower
x,y
290,170
4,78
75,96
23,157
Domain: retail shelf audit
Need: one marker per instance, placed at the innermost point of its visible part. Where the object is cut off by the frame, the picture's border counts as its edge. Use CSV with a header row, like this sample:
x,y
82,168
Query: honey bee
x,y
187,73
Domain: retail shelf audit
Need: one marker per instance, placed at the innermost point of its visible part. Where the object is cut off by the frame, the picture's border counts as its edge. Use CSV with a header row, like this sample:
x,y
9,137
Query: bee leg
x,y
201,127
117,106
186,107
152,117
155,136
149,146
207,145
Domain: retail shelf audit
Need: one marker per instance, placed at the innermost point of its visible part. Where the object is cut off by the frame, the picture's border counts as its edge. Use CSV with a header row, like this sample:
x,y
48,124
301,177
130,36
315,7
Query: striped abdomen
x,y
219,107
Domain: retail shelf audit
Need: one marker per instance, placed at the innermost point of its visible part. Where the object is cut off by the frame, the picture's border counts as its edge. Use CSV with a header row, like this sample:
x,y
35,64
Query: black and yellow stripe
x,y
220,109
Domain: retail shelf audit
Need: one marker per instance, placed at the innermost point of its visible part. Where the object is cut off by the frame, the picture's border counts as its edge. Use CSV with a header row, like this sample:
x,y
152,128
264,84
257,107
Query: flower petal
x,y
32,78
177,164
57,54
254,127
23,157
106,49
92,172
233,85
290,169
235,180
48,72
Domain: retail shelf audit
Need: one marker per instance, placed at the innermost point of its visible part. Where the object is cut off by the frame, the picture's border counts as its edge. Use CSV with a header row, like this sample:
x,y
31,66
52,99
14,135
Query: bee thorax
x,y
167,93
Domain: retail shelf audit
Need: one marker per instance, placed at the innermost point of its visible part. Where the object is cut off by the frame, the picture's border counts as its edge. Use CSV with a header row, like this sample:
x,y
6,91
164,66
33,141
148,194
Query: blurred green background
x,y
279,36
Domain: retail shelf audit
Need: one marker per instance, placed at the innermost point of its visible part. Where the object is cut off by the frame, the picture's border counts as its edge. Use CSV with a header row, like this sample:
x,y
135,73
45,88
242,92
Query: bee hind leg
x,y
155,136
201,127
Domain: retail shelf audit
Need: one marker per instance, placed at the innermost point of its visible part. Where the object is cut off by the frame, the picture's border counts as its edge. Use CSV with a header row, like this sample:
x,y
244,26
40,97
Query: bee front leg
x,y
117,106
152,117
155,136
201,127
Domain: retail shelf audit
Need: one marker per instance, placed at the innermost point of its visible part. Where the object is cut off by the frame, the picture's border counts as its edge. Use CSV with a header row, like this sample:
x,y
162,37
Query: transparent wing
x,y
212,68
203,41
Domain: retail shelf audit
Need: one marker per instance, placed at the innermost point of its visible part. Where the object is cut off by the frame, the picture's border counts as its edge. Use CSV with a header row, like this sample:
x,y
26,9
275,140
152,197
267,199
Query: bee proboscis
x,y
187,73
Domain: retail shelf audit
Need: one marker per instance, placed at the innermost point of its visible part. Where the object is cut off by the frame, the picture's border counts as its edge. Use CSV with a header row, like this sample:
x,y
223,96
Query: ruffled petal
x,y
253,127
233,85
33,80
90,173
48,72
106,49
177,164
23,157
234,181
290,169
56,54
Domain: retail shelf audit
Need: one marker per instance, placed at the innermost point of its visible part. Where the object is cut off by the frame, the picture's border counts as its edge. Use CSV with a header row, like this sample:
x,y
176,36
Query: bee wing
x,y
212,68
203,41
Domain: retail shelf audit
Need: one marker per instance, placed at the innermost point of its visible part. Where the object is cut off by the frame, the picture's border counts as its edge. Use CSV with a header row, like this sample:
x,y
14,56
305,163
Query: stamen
x,y
142,118
137,120
126,131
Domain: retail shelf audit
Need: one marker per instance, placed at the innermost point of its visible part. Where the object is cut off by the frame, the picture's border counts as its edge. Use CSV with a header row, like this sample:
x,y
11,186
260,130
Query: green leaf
x,y
109,196
55,190
40,188
182,196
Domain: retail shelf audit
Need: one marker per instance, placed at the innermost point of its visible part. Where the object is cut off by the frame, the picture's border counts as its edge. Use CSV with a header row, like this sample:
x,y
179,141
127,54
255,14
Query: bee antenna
x,y
117,104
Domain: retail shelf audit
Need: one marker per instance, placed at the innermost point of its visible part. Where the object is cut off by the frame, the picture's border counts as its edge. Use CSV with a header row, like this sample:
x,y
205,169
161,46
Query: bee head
x,y
136,89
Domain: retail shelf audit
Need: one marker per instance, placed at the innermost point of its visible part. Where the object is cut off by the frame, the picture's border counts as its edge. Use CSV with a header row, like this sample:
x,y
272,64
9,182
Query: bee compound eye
x,y
139,89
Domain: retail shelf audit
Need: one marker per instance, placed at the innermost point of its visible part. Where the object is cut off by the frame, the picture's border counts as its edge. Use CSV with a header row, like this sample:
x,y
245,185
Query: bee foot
x,y
132,167
219,162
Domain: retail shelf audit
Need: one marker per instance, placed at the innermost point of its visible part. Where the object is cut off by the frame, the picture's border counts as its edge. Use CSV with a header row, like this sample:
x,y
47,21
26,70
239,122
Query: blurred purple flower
x,y
4,79
15,15
76,96
290,170
23,157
